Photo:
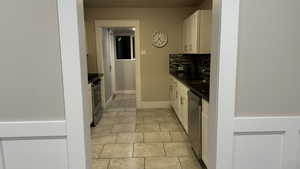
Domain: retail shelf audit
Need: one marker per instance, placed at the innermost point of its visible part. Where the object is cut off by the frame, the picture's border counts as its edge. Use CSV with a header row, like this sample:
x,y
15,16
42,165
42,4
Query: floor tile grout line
x,y
178,158
132,153
108,165
171,136
165,151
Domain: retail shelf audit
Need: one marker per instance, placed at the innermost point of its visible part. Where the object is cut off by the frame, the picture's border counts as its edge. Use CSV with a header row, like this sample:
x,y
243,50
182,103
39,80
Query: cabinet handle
x,y
176,95
181,100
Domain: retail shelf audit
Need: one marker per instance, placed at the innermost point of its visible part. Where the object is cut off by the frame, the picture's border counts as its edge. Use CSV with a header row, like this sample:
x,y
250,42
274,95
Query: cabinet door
x,y
174,98
204,31
197,32
171,92
187,34
178,101
185,109
193,37
204,131
184,36
184,113
183,116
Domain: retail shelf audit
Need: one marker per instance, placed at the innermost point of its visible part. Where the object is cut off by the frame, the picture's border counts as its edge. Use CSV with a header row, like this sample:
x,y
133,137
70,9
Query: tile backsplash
x,y
190,66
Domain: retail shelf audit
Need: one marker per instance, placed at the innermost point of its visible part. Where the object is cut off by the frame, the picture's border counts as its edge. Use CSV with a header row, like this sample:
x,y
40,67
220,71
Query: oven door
x,y
97,106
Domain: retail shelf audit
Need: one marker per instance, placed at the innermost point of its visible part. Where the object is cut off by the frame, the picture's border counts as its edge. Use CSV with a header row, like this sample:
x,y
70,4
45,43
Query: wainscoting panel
x,y
266,143
258,151
42,153
33,145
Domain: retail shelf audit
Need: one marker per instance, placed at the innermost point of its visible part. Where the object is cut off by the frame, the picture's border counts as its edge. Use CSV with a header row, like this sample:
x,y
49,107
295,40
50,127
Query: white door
x,y
261,139
107,55
125,68
43,85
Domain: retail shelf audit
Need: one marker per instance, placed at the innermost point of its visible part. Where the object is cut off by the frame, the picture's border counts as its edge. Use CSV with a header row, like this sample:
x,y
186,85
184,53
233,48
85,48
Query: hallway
x,y
127,138
122,102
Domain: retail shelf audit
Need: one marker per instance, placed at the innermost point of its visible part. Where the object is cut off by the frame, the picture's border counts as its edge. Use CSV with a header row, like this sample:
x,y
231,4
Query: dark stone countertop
x,y
197,86
92,77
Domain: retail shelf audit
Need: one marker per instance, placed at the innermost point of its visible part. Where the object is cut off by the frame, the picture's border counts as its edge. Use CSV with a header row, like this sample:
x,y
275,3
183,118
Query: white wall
x,y
256,125
32,113
34,49
30,62
268,63
154,64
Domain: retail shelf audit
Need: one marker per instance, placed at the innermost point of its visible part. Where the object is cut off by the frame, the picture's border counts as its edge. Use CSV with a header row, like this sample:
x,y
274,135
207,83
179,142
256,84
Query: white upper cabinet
x,y
197,32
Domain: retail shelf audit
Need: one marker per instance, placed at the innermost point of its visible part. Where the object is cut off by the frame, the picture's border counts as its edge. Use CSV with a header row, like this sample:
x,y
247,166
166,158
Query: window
x,y
125,47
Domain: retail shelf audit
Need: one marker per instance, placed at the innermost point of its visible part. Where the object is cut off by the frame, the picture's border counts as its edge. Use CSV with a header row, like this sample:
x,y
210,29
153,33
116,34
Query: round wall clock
x,y
159,39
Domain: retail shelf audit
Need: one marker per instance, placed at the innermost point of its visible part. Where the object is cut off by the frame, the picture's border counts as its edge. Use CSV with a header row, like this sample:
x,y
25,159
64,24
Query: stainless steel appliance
x,y
95,80
97,107
195,123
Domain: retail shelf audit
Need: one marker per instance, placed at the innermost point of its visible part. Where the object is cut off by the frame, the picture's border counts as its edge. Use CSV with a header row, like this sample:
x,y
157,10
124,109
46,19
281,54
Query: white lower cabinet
x,y
205,131
179,101
183,99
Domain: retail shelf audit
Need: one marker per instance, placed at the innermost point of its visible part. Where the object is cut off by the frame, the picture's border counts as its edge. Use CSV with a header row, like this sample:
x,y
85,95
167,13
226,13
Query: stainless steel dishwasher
x,y
195,123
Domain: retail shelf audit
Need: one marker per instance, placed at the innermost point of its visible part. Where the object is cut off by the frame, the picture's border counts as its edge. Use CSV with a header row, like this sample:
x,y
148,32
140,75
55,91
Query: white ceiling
x,y
142,3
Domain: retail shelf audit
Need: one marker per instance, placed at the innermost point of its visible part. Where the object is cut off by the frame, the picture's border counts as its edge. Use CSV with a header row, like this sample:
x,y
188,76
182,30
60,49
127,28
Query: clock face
x,y
160,39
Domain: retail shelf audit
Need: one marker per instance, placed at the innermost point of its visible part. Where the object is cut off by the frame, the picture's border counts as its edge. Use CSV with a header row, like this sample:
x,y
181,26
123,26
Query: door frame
x,y
121,23
223,83
74,70
232,137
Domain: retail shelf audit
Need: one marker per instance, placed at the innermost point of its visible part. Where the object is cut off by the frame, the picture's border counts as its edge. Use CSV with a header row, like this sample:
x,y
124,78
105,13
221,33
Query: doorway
x,y
118,44
118,55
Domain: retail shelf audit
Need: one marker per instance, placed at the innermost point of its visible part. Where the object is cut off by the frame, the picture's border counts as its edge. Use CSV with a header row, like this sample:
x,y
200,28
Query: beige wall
x,y
206,4
30,62
268,63
154,65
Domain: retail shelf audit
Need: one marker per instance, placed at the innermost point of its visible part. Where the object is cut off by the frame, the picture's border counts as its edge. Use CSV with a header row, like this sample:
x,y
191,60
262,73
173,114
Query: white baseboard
x,y
160,104
125,92
108,101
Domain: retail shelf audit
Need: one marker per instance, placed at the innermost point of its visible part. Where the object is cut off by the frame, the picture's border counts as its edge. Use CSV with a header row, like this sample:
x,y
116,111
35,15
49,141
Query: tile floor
x,y
122,102
145,139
